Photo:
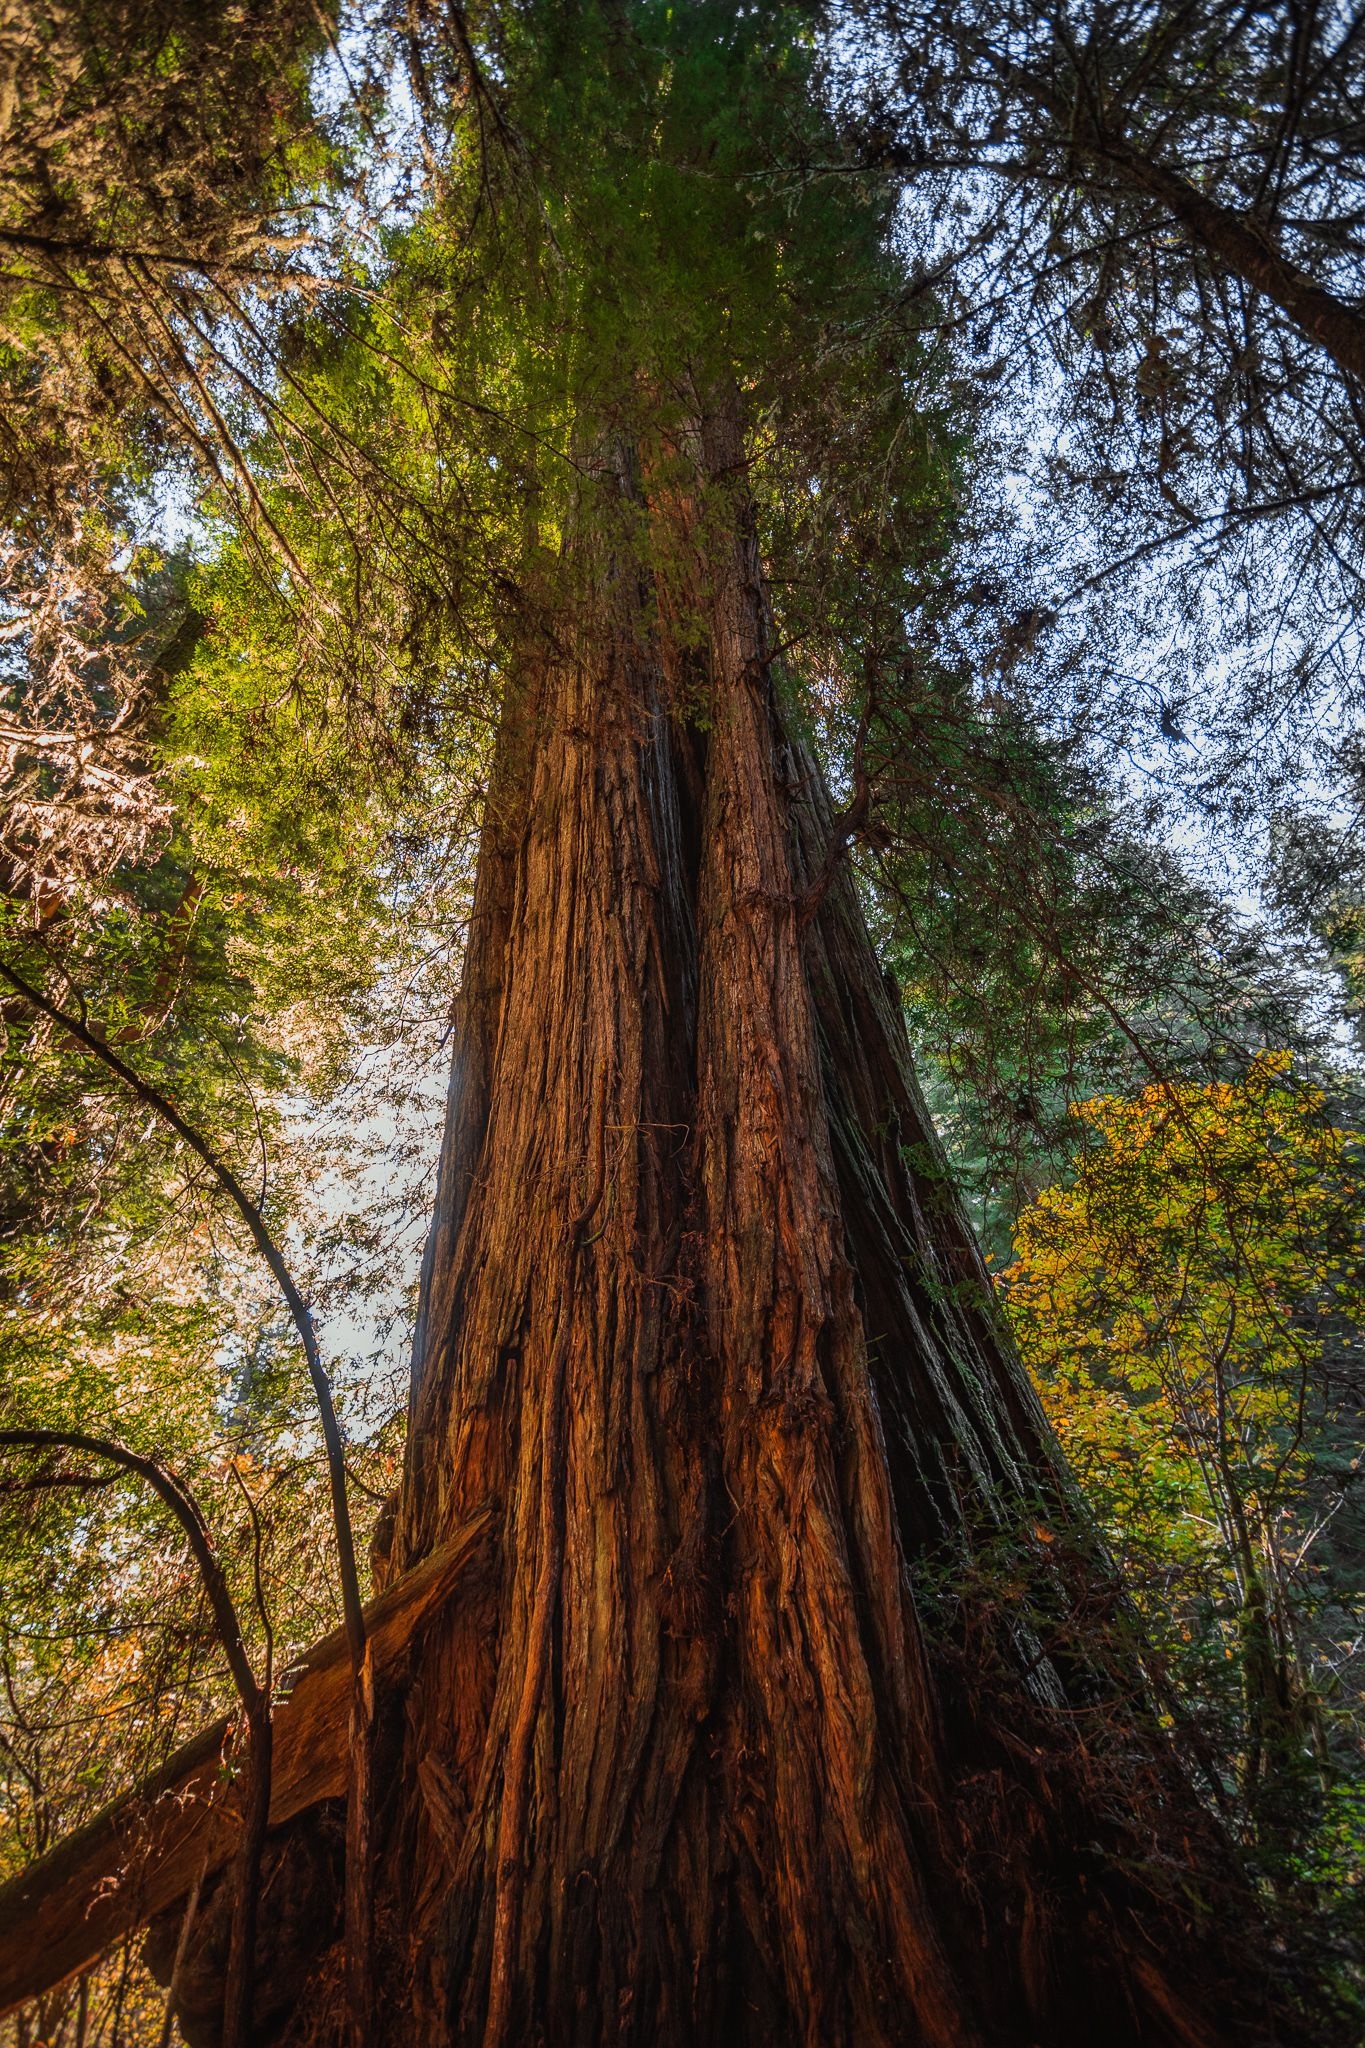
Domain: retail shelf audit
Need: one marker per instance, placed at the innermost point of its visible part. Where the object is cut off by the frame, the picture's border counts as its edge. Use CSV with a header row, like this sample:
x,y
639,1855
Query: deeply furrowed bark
x,y
703,1326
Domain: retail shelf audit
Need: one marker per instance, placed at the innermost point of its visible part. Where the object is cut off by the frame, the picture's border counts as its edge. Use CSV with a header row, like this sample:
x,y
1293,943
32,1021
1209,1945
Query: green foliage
x,y
1318,876
156,158
1045,951
629,235
1192,1304
243,971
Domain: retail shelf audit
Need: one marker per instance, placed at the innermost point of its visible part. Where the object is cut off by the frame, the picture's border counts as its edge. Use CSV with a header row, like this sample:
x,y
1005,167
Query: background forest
x,y
1061,496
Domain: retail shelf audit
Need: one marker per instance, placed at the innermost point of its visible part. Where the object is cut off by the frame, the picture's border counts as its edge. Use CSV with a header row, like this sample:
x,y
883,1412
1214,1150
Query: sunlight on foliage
x,y
1191,1305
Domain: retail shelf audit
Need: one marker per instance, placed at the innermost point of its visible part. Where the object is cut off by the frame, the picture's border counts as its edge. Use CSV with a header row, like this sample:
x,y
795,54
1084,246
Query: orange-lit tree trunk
x,y
702,1322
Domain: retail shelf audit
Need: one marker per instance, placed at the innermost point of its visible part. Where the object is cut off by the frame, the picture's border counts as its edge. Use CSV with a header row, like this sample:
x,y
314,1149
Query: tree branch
x,y
1236,242
239,2004
92,1043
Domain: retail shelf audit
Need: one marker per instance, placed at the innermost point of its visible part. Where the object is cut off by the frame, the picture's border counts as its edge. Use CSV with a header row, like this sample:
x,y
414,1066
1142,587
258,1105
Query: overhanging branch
x,y
1240,242
99,1048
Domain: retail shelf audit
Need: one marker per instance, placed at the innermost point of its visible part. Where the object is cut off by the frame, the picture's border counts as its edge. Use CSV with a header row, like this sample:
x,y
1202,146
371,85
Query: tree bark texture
x,y
704,1326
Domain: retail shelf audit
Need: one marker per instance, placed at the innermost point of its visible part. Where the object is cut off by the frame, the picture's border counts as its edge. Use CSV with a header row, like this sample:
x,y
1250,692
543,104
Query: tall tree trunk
x,y
702,1321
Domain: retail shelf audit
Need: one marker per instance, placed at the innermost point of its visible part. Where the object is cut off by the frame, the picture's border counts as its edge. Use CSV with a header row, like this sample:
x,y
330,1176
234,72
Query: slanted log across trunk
x,y
142,1854
702,1320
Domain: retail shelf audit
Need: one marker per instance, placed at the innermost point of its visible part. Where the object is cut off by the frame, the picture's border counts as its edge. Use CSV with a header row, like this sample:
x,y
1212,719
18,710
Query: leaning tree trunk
x,y
703,1325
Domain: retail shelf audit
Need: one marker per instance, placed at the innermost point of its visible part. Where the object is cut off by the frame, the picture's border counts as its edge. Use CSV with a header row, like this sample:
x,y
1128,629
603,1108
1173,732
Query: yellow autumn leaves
x,y
1190,1307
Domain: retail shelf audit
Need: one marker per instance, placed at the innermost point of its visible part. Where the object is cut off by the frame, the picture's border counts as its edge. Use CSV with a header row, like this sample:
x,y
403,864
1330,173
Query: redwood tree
x,y
701,1319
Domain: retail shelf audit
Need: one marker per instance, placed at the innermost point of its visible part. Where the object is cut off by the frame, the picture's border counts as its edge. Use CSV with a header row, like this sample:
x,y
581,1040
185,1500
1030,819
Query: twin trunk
x,y
702,1323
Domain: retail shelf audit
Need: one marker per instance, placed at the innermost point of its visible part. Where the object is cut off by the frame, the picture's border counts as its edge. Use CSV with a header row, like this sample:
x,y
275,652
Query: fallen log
x,y
144,1852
